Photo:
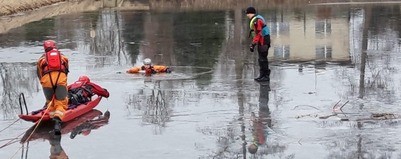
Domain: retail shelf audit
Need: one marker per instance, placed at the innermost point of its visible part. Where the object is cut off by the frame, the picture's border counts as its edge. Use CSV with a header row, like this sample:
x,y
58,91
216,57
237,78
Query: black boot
x,y
260,76
265,71
261,72
264,79
57,126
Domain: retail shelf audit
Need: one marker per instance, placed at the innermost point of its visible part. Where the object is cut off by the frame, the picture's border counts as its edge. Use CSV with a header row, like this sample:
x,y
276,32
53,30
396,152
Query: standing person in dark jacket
x,y
260,34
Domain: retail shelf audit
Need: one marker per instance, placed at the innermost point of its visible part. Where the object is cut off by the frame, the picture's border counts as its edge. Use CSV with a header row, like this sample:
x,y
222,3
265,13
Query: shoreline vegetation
x,y
17,13
8,7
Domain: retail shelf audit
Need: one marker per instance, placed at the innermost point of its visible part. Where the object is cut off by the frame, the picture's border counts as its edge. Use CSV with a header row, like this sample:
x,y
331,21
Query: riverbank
x,y
66,7
8,7
16,13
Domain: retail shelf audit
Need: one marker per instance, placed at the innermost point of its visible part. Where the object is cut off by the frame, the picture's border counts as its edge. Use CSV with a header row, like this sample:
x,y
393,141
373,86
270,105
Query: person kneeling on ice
x,y
52,70
149,68
81,91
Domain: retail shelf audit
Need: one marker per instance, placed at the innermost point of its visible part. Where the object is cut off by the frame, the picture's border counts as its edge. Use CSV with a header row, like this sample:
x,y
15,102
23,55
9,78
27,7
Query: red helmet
x,y
84,78
49,44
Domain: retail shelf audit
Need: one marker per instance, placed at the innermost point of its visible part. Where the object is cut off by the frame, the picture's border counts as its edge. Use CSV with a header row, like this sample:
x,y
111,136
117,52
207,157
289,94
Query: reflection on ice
x,y
16,78
210,105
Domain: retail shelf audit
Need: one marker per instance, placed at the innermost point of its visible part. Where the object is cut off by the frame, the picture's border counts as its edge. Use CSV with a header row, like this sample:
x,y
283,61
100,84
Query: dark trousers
x,y
263,51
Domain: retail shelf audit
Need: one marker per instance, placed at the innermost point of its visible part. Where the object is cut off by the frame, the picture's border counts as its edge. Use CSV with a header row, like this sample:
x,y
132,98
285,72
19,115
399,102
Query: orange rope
x,y
37,125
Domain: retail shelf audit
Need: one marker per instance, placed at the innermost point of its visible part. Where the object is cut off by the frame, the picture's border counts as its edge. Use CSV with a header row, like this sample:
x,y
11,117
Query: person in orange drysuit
x,y
52,70
149,68
82,91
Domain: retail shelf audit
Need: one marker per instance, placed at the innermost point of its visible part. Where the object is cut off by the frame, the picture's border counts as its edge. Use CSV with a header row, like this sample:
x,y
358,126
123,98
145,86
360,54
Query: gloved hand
x,y
168,70
108,94
252,47
148,71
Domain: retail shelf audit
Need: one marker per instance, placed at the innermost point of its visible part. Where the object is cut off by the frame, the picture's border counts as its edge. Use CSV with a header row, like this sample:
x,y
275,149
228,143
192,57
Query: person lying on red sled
x,y
82,90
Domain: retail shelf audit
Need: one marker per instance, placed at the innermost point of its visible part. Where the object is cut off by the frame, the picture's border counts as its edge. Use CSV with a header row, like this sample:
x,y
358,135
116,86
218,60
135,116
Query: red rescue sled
x,y
69,113
93,119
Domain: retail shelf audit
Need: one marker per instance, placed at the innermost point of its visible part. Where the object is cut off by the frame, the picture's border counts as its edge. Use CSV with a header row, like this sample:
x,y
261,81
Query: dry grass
x,y
9,22
13,6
